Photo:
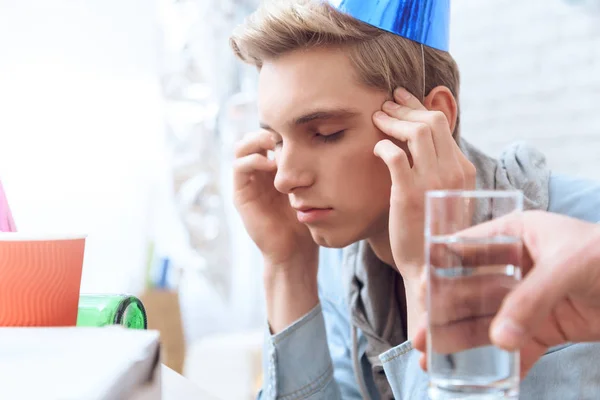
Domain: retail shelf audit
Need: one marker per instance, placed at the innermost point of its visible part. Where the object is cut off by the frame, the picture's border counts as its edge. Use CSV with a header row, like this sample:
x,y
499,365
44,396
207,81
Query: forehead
x,y
306,80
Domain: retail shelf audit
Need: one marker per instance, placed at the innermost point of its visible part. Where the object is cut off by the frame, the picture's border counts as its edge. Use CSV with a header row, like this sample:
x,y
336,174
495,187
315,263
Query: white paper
x,y
75,363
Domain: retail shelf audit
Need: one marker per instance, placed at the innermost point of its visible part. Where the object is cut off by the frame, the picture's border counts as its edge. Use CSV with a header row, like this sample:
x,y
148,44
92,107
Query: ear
x,y
441,99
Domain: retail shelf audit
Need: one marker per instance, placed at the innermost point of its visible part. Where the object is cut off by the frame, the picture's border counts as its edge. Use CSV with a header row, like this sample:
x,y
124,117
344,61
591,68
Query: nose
x,y
294,170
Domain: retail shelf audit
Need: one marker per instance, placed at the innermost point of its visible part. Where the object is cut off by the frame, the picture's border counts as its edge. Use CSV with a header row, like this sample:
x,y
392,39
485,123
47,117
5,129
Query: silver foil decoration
x,y
198,74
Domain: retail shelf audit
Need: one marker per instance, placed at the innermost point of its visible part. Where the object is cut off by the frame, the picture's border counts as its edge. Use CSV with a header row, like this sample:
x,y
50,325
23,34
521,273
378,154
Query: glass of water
x,y
468,276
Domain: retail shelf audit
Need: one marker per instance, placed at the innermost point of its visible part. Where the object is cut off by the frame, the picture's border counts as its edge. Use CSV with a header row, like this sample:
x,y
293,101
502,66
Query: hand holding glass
x,y
468,278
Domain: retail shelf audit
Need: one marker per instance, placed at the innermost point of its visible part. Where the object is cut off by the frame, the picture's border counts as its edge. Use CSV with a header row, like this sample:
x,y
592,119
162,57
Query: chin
x,y
344,235
333,239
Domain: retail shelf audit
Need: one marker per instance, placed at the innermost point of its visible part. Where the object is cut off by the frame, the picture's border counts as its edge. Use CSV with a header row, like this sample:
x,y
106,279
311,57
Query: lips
x,y
307,215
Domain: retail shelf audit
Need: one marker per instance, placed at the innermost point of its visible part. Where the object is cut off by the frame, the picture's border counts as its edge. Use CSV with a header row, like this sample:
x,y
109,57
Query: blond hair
x,y
382,60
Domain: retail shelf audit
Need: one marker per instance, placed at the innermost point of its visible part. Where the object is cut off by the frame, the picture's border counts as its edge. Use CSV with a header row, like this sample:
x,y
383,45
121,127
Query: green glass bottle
x,y
111,309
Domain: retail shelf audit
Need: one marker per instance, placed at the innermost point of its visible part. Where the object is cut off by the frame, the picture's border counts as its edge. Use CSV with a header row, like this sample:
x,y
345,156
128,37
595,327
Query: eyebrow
x,y
321,115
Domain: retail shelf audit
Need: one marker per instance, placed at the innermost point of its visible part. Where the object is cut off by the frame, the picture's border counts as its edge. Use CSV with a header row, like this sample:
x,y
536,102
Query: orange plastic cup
x,y
40,278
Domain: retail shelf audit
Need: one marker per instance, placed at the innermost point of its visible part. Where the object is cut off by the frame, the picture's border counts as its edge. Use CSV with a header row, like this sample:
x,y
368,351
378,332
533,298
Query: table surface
x,y
177,387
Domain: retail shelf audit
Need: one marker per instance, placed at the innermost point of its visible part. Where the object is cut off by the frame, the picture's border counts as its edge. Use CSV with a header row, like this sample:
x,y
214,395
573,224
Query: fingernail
x,y
380,115
390,105
508,334
403,93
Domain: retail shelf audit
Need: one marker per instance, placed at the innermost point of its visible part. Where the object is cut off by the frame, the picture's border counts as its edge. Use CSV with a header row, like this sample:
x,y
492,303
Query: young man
x,y
362,122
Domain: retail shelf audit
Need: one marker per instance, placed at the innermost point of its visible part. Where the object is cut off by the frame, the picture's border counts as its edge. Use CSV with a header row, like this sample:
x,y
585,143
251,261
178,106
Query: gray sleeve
x,y
567,372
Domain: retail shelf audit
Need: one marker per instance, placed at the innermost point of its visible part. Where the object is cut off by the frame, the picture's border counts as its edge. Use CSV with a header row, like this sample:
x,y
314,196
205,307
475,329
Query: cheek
x,y
366,177
360,178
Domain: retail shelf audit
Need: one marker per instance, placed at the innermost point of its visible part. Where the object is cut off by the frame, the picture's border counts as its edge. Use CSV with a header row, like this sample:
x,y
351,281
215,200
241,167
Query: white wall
x,y
531,71
81,126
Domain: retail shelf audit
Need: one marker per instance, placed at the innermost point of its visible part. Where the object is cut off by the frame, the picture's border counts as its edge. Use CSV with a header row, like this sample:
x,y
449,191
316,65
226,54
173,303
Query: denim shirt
x,y
311,359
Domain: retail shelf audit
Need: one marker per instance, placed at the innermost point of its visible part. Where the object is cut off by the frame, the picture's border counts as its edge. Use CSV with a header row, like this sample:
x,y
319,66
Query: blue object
x,y
423,21
164,272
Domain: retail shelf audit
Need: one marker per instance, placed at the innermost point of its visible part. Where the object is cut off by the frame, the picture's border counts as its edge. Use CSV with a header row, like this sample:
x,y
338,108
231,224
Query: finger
x,y
452,308
469,171
420,340
461,335
453,297
256,142
245,167
463,256
508,225
253,163
531,352
445,146
418,137
527,307
404,97
423,362
397,161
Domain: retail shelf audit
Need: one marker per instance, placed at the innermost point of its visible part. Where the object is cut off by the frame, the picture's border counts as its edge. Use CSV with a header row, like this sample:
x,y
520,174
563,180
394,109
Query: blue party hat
x,y
423,21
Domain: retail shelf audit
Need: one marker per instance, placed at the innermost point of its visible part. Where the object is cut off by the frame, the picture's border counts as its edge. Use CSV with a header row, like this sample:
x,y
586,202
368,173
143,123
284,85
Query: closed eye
x,y
331,137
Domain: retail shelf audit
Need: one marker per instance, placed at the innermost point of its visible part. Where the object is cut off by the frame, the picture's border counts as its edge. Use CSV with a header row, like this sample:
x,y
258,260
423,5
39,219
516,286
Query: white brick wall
x,y
531,71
